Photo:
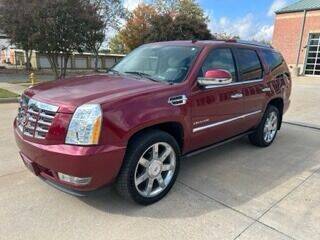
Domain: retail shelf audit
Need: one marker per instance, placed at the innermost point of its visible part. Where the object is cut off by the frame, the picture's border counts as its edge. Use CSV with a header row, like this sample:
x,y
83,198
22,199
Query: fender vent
x,y
178,100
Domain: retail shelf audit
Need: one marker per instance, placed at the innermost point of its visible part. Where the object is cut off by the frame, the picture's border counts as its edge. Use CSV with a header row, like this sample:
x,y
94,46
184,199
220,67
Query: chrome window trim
x,y
225,121
235,83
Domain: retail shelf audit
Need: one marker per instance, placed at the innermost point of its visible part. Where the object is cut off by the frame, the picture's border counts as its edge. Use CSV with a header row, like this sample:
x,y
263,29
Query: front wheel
x,y
150,167
267,129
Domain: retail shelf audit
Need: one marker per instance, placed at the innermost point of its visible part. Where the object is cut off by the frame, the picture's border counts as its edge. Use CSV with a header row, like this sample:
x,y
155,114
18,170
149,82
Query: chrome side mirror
x,y
215,77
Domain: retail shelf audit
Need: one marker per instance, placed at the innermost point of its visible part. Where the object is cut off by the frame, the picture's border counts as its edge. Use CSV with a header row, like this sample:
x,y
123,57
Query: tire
x,y
259,137
142,165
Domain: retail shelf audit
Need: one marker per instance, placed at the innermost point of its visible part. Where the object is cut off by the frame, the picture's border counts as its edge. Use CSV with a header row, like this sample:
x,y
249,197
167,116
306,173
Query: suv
x,y
162,102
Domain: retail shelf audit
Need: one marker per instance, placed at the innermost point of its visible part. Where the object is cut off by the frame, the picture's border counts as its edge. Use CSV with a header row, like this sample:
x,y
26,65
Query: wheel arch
x,y
173,128
278,103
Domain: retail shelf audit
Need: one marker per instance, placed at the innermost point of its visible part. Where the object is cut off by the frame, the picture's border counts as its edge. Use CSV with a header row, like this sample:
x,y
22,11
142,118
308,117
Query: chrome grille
x,y
35,118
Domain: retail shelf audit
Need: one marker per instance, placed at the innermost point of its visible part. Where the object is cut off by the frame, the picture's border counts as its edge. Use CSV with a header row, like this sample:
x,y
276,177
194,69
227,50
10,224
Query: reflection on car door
x,y
216,111
251,74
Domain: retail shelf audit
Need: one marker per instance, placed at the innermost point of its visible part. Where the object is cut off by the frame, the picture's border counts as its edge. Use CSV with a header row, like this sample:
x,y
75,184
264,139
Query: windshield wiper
x,y
144,75
113,71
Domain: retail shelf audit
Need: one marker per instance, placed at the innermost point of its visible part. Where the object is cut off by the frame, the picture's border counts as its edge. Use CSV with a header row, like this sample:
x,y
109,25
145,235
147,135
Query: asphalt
x,y
236,191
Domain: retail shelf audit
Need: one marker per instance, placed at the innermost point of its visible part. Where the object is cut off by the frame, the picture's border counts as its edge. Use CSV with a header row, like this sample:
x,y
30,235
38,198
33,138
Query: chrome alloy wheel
x,y
270,127
155,169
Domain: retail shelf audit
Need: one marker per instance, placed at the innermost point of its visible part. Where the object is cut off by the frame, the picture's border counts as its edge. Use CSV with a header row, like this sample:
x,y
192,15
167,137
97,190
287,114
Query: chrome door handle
x,y
237,95
266,89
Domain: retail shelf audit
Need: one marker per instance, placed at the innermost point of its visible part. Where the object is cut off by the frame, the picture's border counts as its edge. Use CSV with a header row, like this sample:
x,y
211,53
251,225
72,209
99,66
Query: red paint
x,y
130,104
217,73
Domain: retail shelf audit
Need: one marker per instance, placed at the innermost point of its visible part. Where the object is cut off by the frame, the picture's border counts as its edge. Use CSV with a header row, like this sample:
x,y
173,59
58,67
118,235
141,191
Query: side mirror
x,y
215,77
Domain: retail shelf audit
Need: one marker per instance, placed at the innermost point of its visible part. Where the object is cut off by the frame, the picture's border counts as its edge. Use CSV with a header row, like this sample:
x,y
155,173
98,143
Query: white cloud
x,y
131,4
247,27
264,33
276,5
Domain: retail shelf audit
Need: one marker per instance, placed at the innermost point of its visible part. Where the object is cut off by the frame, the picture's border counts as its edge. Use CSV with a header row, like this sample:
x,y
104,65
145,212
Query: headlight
x,y
85,125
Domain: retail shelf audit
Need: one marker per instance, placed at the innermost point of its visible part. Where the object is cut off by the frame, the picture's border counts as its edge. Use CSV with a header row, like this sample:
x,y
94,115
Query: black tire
x,y
125,184
258,137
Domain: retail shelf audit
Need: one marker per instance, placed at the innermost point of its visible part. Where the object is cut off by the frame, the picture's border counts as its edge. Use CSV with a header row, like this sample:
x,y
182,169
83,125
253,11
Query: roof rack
x,y
253,43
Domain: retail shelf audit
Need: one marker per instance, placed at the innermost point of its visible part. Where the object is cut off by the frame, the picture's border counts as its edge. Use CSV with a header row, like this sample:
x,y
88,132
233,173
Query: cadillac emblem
x,y
24,120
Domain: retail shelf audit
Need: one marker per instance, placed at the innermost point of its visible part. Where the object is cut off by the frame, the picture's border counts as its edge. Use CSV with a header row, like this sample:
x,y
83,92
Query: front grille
x,y
35,118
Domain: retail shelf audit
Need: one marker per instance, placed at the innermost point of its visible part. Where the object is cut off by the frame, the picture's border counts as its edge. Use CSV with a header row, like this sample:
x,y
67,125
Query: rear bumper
x,y
101,163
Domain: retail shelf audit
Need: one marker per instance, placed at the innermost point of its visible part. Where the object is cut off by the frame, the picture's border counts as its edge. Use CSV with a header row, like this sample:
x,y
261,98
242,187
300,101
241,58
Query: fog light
x,y
74,180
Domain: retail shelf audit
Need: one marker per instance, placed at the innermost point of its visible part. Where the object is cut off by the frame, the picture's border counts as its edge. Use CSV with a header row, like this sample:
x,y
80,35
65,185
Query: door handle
x,y
237,95
266,89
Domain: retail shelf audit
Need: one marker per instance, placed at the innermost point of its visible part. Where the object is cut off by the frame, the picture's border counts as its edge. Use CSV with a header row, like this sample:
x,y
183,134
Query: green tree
x,y
185,21
116,44
18,23
136,29
190,21
161,28
64,27
165,20
225,36
106,15
95,30
61,31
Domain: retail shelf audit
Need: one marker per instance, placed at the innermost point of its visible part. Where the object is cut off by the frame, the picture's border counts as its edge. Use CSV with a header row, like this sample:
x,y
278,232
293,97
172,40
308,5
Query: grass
x,y
7,94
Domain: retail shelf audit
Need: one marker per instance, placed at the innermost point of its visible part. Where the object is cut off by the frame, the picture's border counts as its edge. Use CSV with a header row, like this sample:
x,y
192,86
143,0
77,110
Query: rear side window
x,y
273,59
250,67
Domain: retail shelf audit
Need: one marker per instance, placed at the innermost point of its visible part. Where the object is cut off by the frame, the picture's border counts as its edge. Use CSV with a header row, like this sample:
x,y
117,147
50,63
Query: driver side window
x,y
221,58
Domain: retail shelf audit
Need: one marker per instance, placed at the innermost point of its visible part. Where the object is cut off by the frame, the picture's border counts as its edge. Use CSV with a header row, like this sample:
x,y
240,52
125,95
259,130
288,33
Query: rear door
x,y
253,87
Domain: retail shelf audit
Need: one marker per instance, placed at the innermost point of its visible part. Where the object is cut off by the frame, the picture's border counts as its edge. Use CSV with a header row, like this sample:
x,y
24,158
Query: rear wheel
x,y
267,129
150,167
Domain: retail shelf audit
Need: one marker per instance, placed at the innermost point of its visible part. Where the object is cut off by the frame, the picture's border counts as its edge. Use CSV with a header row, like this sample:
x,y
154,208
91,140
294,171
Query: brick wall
x,y
287,30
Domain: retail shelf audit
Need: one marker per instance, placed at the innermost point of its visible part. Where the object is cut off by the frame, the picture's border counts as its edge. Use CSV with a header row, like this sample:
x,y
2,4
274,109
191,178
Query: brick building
x,y
297,36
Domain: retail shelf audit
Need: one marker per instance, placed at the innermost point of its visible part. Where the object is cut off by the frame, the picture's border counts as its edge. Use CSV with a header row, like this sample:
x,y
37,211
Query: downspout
x,y
301,36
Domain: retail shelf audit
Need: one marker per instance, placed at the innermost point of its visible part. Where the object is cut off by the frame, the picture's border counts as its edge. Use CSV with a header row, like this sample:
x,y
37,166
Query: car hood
x,y
73,92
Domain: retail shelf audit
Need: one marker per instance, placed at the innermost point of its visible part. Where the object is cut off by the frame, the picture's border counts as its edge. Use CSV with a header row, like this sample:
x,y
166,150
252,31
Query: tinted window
x,y
219,59
249,65
273,59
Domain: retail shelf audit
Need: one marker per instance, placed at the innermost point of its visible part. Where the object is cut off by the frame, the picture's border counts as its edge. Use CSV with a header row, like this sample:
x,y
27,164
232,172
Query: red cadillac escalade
x,y
162,102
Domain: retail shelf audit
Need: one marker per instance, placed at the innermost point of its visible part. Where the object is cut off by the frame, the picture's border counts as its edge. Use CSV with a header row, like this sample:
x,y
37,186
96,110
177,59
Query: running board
x,y
190,154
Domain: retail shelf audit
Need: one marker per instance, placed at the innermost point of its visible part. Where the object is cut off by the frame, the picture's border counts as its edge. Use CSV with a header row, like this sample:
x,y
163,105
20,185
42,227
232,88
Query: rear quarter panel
x,y
279,81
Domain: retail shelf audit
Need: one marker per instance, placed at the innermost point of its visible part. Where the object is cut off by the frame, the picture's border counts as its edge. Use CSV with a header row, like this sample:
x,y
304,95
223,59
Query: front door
x,y
217,111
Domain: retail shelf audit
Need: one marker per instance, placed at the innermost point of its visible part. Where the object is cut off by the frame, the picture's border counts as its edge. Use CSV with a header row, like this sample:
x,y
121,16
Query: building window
x,y
312,65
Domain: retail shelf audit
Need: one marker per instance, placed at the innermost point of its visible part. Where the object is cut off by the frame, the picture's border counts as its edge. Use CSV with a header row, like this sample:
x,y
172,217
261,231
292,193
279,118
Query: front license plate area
x,y
31,166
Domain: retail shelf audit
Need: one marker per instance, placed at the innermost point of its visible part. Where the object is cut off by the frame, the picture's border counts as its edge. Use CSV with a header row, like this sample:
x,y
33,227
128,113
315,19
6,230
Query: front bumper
x,y
101,163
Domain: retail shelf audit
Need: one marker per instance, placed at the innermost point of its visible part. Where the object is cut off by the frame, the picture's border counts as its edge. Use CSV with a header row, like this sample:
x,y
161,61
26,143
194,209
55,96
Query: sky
x,y
249,19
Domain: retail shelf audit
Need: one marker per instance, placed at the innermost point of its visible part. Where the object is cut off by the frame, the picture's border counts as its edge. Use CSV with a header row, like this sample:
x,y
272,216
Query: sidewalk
x,y
305,101
15,88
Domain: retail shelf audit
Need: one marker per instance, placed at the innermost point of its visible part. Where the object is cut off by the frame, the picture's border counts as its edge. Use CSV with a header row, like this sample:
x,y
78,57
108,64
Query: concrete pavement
x,y
236,191
305,101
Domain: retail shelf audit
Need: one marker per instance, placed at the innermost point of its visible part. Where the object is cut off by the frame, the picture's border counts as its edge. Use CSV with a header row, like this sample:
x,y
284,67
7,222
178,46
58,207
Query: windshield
x,y
159,62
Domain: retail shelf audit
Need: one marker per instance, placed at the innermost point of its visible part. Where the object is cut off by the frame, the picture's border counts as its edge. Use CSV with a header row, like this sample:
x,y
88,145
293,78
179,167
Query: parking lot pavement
x,y
236,191
305,101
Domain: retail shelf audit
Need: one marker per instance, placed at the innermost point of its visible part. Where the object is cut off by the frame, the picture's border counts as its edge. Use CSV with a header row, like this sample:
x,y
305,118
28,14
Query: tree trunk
x,y
65,65
96,61
61,67
28,54
53,64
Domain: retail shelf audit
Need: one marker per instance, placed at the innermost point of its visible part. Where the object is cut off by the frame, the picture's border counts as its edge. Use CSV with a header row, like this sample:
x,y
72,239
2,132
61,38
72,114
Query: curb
x,y
9,100
306,125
